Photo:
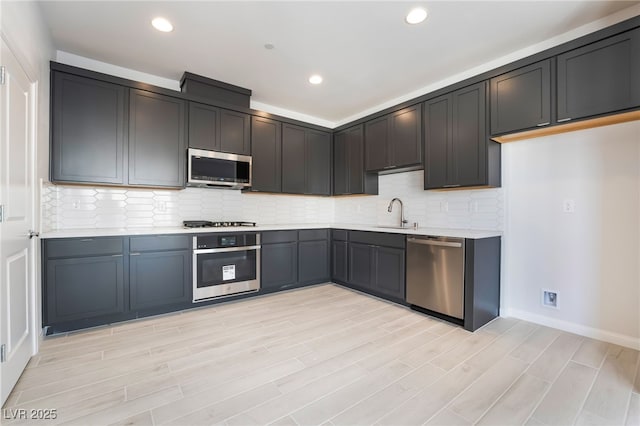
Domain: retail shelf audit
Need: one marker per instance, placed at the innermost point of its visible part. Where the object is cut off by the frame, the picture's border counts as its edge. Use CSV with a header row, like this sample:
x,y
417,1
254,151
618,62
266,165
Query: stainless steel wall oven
x,y
225,264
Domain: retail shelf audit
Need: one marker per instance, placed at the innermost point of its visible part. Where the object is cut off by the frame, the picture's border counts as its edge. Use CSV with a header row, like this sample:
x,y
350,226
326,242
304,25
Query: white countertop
x,y
111,232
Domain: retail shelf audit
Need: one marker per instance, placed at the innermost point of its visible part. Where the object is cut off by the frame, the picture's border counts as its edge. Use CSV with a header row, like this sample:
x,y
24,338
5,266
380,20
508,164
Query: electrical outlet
x,y
161,206
568,205
444,206
550,298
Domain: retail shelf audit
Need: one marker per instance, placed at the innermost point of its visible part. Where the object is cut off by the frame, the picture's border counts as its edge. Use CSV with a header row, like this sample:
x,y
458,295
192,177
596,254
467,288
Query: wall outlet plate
x,y
568,205
550,298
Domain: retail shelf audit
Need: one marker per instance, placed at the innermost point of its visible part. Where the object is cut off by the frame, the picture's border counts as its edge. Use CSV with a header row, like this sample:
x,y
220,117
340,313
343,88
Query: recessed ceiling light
x,y
269,46
315,79
162,24
415,16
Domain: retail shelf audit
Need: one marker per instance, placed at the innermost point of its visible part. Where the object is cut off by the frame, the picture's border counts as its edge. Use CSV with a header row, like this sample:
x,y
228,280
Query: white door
x,y
17,114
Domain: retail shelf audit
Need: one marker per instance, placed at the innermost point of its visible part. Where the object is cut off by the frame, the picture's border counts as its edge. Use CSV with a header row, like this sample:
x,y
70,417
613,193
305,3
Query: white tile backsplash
x,y
69,207
462,209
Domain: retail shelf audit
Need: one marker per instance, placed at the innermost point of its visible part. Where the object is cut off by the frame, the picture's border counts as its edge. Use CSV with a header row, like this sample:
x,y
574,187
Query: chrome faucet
x,y
403,221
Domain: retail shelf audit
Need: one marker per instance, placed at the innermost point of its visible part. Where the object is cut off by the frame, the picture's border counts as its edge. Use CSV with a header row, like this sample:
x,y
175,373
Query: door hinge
x,y
3,353
1,213
2,75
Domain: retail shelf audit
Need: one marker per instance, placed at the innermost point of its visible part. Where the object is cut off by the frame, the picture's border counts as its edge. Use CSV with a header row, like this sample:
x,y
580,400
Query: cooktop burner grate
x,y
209,224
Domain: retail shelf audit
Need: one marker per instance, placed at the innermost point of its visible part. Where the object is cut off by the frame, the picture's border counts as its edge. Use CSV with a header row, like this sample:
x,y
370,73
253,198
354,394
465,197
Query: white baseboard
x,y
594,333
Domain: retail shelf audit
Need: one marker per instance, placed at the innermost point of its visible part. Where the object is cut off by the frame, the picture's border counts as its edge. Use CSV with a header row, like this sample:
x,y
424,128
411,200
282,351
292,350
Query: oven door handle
x,y
225,250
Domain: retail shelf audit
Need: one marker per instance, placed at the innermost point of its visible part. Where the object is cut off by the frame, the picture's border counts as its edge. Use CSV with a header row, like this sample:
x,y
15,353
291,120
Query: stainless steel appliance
x,y
435,274
218,169
225,264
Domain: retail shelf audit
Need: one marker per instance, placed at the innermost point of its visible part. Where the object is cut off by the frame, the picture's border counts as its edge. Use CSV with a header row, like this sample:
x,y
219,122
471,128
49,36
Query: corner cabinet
x,y
458,151
349,176
394,141
88,130
294,258
306,161
376,263
599,78
521,99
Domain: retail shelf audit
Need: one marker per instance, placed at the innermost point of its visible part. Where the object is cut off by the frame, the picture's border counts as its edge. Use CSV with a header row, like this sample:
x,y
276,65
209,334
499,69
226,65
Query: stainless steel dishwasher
x,y
435,274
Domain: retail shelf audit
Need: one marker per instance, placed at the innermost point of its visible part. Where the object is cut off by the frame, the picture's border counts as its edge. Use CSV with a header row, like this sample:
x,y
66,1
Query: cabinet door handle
x,y
543,124
451,186
563,119
134,254
84,240
116,255
389,167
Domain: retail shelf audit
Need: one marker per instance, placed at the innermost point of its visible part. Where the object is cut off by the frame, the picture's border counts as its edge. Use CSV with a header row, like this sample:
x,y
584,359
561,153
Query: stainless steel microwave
x,y
218,169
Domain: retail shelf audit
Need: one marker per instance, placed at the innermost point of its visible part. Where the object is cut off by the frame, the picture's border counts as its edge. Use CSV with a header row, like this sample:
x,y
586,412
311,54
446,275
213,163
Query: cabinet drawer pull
x,y
564,119
451,186
84,240
543,124
134,254
389,167
116,255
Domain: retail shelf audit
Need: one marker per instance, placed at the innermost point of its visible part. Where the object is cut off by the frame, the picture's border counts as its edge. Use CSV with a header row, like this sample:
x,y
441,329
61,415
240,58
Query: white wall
x,y
590,257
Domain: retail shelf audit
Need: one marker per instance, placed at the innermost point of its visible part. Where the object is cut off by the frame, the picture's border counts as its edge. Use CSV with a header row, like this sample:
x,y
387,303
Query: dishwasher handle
x,y
434,243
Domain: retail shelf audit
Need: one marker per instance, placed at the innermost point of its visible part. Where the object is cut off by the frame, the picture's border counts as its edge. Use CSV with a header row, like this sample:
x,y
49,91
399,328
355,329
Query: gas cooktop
x,y
209,224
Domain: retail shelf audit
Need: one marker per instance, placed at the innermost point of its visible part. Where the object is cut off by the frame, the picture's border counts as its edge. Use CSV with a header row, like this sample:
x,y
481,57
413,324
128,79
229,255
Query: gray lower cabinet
x,y
376,263
279,265
93,281
313,256
294,258
339,261
159,271
82,288
84,279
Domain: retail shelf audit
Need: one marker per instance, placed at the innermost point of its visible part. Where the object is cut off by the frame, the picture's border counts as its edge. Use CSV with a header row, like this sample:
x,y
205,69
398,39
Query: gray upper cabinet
x,y
394,141
306,161
293,159
266,151
349,176
88,130
521,99
218,129
599,78
204,125
458,151
156,140
235,132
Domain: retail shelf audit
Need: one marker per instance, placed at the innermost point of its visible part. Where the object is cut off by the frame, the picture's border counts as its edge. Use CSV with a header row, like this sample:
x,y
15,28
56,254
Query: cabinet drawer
x,y
377,238
313,234
339,234
160,242
279,237
83,247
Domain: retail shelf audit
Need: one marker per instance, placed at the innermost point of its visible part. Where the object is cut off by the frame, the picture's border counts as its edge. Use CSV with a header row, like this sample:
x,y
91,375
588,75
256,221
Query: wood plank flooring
x,y
326,355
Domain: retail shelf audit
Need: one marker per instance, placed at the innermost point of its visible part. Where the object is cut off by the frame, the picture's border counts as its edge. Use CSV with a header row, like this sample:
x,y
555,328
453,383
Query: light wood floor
x,y
327,355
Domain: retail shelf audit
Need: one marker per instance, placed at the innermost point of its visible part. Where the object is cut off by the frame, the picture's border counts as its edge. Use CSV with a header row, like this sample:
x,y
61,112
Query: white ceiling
x,y
365,51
